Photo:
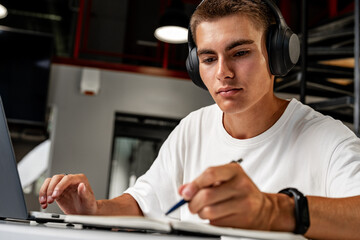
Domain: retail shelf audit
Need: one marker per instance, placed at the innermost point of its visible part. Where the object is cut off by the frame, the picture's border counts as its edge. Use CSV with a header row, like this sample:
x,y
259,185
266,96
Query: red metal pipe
x,y
78,29
166,56
333,9
87,25
285,8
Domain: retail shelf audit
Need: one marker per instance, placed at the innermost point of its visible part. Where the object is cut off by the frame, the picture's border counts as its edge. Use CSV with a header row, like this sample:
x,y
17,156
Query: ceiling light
x,y
171,34
173,27
3,11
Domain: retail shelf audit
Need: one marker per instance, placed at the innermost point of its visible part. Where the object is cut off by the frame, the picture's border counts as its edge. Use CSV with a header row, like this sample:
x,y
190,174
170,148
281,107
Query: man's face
x,y
233,63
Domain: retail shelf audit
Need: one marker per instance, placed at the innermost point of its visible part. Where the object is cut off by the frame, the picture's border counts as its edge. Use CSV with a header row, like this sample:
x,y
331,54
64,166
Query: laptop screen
x,y
12,202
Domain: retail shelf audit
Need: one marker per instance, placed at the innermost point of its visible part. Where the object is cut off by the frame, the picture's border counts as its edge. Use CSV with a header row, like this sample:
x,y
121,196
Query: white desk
x,y
34,231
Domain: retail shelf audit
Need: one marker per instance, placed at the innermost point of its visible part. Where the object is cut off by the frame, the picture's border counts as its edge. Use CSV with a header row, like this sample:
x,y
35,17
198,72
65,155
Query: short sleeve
x,y
157,190
343,178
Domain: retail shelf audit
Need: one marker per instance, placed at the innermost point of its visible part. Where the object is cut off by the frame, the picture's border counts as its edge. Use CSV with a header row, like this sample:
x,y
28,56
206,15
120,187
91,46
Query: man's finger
x,y
214,195
83,191
181,188
43,192
66,182
212,176
53,183
218,212
87,198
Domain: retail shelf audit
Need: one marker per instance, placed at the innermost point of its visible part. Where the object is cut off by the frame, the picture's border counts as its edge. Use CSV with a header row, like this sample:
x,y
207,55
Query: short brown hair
x,y
257,10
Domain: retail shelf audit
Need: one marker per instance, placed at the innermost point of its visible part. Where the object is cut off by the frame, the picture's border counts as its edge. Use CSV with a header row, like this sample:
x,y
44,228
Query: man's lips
x,y
228,91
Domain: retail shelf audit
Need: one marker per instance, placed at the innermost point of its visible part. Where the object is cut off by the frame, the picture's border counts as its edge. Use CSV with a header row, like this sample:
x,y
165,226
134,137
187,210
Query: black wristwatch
x,y
302,218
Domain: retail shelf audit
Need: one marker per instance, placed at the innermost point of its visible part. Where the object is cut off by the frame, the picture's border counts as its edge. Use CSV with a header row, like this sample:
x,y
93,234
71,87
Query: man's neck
x,y
255,120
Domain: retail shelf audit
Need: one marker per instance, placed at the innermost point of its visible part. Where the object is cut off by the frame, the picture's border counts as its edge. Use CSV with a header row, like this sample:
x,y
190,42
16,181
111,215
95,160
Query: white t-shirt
x,y
303,149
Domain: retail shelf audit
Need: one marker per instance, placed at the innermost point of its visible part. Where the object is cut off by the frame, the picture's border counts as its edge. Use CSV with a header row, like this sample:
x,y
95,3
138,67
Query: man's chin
x,y
232,108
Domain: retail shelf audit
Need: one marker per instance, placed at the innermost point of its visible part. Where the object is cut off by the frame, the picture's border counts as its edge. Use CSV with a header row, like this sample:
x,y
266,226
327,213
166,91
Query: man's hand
x,y
72,193
227,197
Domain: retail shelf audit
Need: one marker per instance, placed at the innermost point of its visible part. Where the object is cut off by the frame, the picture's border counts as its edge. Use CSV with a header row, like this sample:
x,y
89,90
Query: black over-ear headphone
x,y
283,47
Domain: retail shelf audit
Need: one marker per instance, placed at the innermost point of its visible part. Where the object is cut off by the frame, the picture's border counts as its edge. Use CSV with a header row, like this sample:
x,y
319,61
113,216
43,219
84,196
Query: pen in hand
x,y
183,201
176,206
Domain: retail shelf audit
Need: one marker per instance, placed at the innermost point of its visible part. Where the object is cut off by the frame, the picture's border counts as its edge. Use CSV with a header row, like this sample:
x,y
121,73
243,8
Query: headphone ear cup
x,y
270,45
192,67
283,48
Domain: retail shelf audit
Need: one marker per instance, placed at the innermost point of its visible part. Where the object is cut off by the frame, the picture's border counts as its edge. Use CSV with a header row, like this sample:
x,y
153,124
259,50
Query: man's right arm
x,y
122,205
74,195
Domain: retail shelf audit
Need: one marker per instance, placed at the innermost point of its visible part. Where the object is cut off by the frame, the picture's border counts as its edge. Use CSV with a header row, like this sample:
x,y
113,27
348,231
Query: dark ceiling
x,y
121,31
109,31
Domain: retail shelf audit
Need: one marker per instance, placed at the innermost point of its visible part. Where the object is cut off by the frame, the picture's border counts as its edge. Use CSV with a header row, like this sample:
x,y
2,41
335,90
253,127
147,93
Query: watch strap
x,y
302,219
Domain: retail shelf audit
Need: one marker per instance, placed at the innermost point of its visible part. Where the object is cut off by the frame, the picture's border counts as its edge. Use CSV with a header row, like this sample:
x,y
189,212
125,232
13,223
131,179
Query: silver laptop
x,y
12,202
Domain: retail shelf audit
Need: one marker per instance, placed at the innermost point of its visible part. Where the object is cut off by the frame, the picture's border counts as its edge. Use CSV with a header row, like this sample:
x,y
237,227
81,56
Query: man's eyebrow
x,y
228,48
239,43
205,51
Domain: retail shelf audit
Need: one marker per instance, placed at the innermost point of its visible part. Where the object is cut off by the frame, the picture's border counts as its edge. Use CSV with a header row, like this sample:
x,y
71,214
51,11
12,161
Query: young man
x,y
282,144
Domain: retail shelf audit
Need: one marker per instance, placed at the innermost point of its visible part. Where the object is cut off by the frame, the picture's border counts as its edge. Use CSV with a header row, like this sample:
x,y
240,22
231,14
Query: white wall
x,y
82,129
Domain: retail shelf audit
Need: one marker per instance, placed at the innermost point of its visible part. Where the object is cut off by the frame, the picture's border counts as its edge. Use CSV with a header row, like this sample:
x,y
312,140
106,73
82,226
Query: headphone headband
x,y
277,13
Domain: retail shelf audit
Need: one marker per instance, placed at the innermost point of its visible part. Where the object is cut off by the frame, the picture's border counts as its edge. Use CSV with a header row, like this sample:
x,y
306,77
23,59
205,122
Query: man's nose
x,y
224,69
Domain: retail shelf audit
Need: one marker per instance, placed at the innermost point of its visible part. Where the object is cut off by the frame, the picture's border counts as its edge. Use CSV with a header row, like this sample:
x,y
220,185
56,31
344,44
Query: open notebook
x,y
171,226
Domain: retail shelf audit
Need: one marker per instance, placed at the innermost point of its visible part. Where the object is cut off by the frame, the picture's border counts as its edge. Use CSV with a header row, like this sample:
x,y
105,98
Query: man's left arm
x,y
227,197
334,218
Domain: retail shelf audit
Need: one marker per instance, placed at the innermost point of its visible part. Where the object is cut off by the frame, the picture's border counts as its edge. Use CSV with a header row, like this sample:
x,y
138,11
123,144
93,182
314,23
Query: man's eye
x,y
241,53
208,60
